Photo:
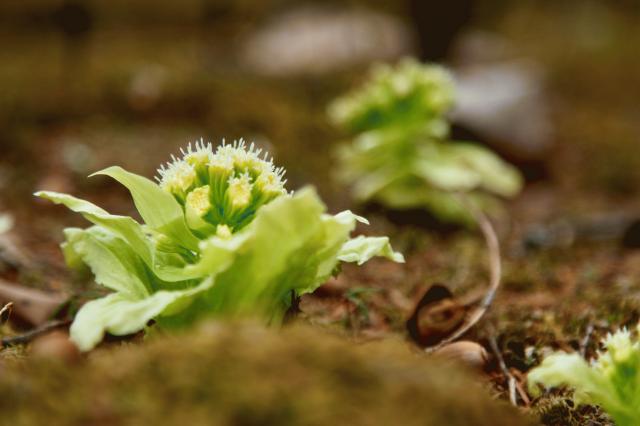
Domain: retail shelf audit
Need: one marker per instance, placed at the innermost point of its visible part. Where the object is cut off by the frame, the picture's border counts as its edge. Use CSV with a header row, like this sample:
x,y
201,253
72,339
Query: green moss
x,y
246,375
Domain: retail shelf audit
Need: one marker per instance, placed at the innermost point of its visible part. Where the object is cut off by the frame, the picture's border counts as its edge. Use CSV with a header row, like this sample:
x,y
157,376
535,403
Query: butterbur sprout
x,y
400,154
221,237
612,381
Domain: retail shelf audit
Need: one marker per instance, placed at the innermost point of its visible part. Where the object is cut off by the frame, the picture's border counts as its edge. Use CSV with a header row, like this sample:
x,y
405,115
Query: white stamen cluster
x,y
221,190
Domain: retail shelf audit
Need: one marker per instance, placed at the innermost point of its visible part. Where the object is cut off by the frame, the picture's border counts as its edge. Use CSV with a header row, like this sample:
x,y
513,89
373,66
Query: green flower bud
x,y
198,201
177,178
223,231
197,205
239,192
199,158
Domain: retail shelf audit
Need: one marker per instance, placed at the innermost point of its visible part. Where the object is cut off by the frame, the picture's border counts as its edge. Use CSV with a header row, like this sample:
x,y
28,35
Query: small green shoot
x,y
612,381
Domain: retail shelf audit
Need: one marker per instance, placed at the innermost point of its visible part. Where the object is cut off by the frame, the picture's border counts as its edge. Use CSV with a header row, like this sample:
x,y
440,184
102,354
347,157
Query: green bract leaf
x,y
126,228
493,174
112,261
121,313
123,226
158,208
361,249
221,237
400,155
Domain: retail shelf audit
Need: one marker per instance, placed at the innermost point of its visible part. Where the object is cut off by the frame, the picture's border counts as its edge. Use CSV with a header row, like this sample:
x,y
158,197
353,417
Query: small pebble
x,y
466,352
55,345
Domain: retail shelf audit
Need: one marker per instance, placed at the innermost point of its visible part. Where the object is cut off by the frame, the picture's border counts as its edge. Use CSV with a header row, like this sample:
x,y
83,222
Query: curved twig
x,y
28,336
511,381
495,271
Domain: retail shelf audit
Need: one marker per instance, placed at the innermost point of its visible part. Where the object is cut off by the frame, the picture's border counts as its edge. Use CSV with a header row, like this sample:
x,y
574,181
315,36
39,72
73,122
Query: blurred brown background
x,y
552,86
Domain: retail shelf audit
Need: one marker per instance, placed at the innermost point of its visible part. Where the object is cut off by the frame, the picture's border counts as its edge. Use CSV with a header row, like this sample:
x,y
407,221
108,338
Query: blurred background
x,y
551,86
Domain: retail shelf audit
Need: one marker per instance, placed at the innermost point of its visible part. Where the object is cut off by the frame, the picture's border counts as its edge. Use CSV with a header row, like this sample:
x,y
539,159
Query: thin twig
x,y
512,390
511,380
28,336
5,312
519,380
495,271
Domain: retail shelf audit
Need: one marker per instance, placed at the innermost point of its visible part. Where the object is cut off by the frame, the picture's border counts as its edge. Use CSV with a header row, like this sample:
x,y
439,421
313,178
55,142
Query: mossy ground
x,y
563,297
247,375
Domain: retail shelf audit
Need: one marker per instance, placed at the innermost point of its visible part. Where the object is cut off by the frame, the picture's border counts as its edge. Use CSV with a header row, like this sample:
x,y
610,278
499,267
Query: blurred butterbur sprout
x,y
400,154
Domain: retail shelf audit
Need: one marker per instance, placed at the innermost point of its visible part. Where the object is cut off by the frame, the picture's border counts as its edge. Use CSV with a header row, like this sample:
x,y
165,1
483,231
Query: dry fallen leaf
x,y
55,345
435,316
